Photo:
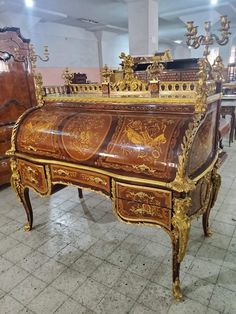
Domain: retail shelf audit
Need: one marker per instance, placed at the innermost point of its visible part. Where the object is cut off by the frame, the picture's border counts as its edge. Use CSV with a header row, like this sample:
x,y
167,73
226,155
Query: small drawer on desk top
x,y
141,212
79,176
33,175
144,195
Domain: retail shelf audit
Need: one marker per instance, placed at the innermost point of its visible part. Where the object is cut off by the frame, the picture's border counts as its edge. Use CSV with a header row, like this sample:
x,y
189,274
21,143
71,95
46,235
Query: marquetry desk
x,y
150,147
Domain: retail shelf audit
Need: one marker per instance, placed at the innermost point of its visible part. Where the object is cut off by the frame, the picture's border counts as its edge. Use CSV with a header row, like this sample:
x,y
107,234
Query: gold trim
x,y
136,100
12,150
130,221
81,187
132,100
176,289
111,174
202,89
145,188
168,185
27,227
181,223
182,182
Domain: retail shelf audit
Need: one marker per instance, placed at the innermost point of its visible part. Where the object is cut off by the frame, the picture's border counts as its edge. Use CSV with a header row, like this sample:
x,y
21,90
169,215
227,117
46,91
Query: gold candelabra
x,y
193,40
38,82
34,57
67,76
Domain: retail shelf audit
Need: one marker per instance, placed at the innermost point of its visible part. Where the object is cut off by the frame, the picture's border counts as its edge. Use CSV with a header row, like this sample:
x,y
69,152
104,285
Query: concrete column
x,y
143,26
98,35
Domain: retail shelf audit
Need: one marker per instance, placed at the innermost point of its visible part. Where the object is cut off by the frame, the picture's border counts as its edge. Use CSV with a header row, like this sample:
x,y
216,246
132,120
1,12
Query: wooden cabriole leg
x,y
215,186
80,191
23,194
180,234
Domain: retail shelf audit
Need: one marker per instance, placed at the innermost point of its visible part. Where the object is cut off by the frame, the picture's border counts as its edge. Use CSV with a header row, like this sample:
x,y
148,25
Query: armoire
x,y
16,89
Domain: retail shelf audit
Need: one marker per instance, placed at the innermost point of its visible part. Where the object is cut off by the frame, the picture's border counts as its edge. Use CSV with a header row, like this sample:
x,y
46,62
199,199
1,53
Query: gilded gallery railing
x,y
167,89
197,90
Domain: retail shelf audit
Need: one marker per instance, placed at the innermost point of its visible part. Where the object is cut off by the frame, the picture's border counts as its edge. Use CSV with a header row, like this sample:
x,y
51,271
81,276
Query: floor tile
x,y
52,246
121,256
130,284
68,281
143,266
4,264
47,301
6,244
114,302
33,261
28,289
223,300
84,241
229,260
11,277
68,255
17,253
156,298
70,306
227,278
197,289
49,270
103,248
204,270
211,253
10,305
186,307
90,293
140,309
107,274
87,264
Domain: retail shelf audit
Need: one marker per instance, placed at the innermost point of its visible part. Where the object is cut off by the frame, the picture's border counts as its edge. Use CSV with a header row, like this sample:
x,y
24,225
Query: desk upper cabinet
x,y
17,89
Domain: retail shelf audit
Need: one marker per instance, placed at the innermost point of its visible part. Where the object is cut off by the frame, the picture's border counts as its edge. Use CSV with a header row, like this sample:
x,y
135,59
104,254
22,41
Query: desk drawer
x,y
33,175
144,195
83,177
141,212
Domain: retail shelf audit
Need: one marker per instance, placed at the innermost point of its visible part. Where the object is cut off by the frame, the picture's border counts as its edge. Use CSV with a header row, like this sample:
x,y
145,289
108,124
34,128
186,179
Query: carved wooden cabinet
x,y
154,156
16,89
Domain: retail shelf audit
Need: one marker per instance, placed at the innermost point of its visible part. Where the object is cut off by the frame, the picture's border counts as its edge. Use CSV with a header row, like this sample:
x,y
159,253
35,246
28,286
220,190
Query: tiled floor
x,y
80,259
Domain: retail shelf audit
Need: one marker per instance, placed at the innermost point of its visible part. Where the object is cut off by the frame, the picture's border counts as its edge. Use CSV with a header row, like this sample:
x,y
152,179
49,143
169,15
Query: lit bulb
x,y
29,3
214,2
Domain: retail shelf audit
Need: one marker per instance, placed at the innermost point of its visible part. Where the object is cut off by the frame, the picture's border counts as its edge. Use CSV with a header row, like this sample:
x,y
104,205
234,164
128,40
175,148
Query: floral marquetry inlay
x,y
83,134
140,145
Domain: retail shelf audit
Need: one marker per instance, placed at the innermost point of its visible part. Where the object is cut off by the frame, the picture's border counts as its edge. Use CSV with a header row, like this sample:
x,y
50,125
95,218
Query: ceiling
x,y
112,15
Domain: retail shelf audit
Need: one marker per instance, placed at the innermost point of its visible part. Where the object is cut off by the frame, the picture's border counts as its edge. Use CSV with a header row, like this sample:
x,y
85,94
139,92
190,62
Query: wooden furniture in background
x,y
16,89
79,78
228,105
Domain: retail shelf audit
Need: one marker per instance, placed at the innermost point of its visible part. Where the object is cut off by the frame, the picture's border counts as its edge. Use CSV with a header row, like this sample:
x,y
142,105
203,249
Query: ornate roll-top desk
x,y
150,147
17,89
